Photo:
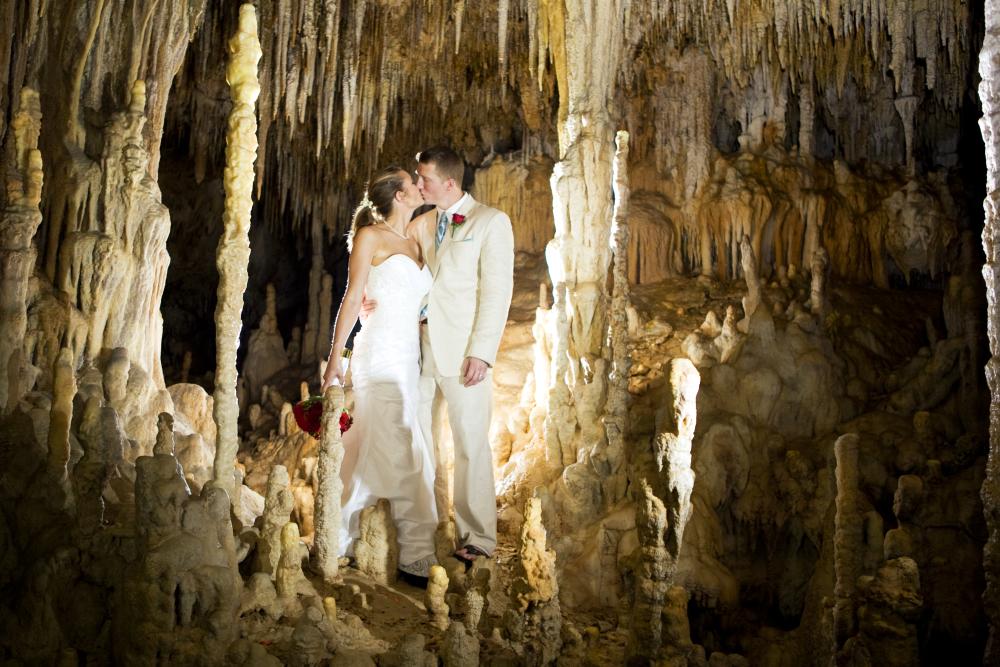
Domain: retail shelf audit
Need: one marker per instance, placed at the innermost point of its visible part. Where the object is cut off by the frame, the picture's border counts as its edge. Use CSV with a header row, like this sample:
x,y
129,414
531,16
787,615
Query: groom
x,y
470,250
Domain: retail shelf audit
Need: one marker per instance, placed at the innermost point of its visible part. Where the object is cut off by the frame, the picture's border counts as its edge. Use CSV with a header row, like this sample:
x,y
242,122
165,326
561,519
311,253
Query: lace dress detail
x,y
393,460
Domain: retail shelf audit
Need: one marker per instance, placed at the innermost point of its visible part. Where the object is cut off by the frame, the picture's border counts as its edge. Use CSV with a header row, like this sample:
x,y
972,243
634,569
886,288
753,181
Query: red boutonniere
x,y
309,416
457,220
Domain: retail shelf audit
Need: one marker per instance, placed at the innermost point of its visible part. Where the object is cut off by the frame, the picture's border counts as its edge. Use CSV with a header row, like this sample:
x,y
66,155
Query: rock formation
x,y
329,486
234,247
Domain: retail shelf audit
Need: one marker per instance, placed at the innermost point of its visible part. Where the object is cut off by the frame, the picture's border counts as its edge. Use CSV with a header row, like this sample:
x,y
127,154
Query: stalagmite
x,y
616,407
289,579
751,274
265,350
819,286
329,487
645,632
234,247
324,330
437,587
890,608
460,648
64,389
91,472
376,552
989,95
182,593
541,368
559,421
278,504
676,423
18,224
311,340
848,538
904,539
534,619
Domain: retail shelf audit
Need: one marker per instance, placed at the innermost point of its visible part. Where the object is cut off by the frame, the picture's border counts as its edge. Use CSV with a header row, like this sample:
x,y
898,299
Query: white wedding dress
x,y
393,461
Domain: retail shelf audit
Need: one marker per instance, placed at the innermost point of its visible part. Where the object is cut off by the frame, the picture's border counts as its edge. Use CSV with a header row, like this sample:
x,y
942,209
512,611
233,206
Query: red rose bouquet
x,y
309,415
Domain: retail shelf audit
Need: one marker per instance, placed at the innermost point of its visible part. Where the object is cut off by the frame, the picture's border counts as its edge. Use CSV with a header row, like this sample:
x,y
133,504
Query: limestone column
x,y
585,39
233,254
18,224
326,541
989,94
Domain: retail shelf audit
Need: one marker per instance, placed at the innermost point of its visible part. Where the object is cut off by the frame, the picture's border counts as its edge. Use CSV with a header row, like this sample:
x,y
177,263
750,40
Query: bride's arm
x,y
365,246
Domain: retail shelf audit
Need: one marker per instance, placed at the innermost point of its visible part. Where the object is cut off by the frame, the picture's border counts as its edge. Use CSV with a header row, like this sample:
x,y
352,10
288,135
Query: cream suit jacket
x,y
473,273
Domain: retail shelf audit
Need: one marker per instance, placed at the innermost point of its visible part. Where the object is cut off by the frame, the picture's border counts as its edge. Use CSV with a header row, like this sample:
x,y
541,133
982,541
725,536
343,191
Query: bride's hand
x,y
334,373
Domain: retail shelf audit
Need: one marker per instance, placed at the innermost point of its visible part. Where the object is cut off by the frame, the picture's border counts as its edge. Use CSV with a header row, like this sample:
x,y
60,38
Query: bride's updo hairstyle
x,y
376,205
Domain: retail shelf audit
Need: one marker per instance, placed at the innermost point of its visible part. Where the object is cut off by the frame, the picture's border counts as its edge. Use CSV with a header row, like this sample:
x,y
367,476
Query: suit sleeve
x,y
496,285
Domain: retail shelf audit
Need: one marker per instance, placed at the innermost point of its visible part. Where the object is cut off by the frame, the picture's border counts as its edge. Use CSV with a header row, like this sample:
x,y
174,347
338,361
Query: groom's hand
x,y
367,308
473,371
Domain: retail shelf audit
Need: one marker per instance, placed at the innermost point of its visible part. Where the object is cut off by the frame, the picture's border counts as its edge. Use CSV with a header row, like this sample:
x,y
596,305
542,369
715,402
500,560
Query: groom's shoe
x,y
469,553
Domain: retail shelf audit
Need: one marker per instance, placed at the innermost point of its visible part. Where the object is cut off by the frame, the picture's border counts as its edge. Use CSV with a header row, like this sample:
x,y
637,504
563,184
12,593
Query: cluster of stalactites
x,y
337,78
348,85
828,37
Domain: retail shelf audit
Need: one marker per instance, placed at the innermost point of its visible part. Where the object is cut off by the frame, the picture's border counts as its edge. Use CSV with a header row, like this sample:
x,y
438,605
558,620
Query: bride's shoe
x,y
420,568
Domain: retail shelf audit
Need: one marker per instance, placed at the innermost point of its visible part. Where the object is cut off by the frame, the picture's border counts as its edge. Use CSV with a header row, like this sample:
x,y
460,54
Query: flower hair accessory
x,y
366,202
457,220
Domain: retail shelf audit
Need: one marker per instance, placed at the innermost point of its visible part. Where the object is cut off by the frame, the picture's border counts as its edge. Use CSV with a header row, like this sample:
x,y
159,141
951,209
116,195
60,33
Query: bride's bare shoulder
x,y
366,239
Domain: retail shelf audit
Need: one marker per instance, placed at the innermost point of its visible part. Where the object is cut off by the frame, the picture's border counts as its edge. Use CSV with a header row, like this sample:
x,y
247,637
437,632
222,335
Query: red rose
x,y
309,416
457,220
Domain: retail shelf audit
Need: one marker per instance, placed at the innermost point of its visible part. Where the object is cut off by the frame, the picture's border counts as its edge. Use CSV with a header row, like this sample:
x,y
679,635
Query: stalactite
x,y
503,9
459,15
234,247
848,539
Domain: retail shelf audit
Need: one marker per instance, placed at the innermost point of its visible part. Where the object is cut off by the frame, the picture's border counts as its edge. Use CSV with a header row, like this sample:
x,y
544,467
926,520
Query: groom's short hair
x,y
447,162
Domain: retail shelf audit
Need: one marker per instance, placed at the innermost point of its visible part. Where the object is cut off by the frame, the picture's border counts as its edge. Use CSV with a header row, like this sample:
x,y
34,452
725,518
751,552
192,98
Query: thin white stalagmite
x,y
326,542
233,254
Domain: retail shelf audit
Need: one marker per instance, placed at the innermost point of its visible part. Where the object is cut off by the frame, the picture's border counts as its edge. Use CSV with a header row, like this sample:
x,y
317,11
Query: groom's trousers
x,y
469,413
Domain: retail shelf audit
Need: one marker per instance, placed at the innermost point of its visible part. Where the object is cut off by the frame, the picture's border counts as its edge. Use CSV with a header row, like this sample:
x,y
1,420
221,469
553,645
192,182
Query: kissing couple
x,y
435,290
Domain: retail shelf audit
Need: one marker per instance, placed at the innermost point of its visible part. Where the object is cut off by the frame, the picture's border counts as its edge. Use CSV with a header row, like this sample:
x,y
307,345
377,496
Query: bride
x,y
385,454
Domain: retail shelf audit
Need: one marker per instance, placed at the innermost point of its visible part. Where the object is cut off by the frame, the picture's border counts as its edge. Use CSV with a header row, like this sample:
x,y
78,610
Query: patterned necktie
x,y
442,226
